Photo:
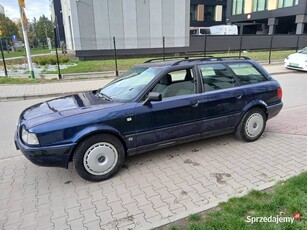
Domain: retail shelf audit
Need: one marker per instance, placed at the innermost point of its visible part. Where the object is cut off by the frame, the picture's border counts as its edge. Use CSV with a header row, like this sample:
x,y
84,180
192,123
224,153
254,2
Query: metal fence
x,y
246,42
197,44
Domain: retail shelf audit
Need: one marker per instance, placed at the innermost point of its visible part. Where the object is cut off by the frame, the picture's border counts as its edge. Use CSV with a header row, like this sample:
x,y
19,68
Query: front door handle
x,y
238,95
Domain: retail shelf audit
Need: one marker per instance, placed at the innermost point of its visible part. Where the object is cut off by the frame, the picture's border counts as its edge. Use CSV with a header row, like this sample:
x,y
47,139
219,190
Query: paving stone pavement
x,y
152,189
290,121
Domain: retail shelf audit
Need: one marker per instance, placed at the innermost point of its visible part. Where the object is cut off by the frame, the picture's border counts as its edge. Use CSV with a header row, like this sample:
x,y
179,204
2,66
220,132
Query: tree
x,y
8,27
43,29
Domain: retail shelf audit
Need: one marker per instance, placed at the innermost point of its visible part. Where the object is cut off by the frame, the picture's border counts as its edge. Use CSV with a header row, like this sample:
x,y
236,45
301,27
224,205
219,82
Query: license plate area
x,y
294,64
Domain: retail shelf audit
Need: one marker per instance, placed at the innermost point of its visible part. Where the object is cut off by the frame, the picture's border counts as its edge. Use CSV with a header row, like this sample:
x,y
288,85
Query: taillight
x,y
279,93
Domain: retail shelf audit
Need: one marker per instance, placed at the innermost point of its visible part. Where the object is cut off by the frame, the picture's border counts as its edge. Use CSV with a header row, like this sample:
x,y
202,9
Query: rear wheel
x,y
99,157
252,125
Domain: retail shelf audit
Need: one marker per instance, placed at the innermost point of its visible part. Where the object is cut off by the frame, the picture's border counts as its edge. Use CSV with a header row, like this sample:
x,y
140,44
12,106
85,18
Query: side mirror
x,y
153,96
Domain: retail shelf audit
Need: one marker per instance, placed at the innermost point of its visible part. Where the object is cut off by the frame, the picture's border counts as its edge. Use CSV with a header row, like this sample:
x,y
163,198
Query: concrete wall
x,y
134,23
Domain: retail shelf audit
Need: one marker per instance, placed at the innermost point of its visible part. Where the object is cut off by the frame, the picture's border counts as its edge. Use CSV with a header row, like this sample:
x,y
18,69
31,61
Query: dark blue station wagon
x,y
153,105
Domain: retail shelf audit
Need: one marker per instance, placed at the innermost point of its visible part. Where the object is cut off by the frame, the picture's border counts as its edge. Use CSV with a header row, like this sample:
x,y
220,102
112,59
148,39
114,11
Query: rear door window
x,y
247,73
216,76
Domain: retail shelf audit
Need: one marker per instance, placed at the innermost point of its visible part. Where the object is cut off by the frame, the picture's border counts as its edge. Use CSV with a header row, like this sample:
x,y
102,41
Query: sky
x,y
34,8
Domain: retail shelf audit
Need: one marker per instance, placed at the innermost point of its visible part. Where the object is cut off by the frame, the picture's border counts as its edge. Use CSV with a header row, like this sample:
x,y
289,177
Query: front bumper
x,y
51,156
297,66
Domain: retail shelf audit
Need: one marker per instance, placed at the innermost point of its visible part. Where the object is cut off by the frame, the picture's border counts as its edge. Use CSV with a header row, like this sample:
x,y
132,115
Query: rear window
x,y
247,73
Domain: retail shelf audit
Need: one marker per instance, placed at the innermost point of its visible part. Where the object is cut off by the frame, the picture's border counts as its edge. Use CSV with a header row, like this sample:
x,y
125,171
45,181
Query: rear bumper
x,y
53,156
273,110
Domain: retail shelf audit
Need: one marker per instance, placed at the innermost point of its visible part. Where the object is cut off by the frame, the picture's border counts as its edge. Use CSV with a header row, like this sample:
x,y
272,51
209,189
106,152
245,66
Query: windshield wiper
x,y
104,96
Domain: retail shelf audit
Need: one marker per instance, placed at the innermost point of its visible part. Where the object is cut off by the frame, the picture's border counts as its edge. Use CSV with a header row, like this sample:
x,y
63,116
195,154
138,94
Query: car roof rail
x,y
212,58
174,58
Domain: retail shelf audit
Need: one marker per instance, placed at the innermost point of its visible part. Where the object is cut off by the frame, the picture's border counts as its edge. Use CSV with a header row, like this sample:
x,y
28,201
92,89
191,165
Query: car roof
x,y
190,61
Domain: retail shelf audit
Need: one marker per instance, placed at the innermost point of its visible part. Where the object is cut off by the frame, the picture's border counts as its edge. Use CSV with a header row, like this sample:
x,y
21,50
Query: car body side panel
x,y
166,120
221,109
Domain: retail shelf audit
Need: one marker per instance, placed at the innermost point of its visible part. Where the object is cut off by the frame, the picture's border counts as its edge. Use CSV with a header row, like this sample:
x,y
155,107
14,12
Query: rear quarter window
x,y
247,73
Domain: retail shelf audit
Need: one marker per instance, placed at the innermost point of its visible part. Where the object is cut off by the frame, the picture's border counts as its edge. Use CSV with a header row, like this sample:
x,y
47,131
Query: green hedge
x,y
50,60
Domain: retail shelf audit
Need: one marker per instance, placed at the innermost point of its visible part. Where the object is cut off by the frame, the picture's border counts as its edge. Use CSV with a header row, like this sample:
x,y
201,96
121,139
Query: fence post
x,y
270,53
298,43
205,46
240,51
56,52
115,57
163,41
4,64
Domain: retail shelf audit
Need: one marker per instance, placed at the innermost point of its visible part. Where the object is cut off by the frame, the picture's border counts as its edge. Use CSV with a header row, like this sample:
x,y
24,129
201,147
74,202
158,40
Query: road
x,y
152,188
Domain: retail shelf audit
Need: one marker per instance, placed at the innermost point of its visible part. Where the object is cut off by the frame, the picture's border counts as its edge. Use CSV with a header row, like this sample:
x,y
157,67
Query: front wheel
x,y
99,157
252,125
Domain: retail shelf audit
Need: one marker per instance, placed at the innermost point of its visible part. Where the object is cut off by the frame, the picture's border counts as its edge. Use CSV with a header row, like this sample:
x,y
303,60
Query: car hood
x,y
64,107
298,57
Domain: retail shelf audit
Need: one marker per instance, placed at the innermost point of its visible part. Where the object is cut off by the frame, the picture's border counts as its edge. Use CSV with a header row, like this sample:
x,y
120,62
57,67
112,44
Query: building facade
x,y
57,19
92,24
268,16
206,13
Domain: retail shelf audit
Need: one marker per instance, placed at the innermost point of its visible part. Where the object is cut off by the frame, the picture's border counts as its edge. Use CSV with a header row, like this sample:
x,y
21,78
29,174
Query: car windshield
x,y
303,51
129,85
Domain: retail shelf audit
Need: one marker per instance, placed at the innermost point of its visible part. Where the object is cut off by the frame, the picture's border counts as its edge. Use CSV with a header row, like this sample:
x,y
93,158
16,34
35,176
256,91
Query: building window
x,y
193,12
197,12
287,3
209,13
218,13
259,5
237,7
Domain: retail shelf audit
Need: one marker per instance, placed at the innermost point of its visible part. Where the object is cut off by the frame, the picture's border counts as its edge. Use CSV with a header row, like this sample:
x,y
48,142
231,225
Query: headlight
x,y
28,138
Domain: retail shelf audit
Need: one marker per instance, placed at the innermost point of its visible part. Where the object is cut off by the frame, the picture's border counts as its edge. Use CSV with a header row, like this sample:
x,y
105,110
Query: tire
x,y
99,157
252,125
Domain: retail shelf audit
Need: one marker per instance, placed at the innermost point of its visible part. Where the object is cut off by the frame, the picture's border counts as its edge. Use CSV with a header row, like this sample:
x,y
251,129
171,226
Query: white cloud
x,y
34,8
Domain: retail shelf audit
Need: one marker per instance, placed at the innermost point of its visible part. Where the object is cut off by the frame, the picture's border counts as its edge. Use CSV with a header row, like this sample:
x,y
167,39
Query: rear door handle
x,y
195,103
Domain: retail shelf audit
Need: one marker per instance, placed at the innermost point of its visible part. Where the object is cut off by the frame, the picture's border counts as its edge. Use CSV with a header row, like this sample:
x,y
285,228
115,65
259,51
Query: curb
x,y
214,204
29,97
208,206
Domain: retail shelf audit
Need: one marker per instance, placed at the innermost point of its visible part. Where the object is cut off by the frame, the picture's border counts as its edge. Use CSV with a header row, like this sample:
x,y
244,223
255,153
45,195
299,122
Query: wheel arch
x,y
89,132
255,104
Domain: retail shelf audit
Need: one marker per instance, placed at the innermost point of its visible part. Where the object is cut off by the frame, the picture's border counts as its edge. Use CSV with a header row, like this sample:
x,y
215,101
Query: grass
x,y
22,53
124,64
194,217
285,199
100,65
262,55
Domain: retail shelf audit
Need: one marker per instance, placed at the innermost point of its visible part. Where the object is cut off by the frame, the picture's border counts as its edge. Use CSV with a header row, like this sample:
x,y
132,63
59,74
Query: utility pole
x,y
25,36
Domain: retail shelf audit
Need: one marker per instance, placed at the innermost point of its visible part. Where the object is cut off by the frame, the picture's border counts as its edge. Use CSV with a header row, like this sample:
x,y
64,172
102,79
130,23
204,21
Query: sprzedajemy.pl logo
x,y
269,219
